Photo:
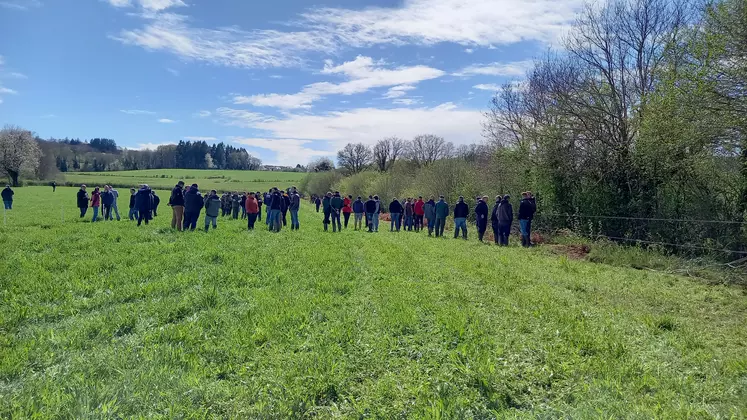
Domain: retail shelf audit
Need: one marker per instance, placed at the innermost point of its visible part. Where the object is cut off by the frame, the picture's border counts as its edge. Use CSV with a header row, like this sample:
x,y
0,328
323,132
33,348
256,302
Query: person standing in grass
x,y
276,211
318,203
481,213
461,211
370,208
144,204
176,202
395,209
429,211
252,210
347,208
95,203
258,196
419,210
442,212
243,205
133,207
235,205
359,210
268,205
156,200
192,206
7,195
375,220
295,206
82,197
212,209
502,217
327,209
54,186
107,199
409,214
115,208
336,203
527,208
284,206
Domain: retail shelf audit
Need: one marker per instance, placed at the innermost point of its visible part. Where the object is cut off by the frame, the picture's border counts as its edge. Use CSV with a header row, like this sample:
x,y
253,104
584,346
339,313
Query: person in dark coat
x,y
527,208
395,209
54,186
107,200
461,211
235,205
176,202
371,208
501,219
7,195
442,212
144,204
481,213
284,206
359,209
82,200
192,206
276,211
156,201
133,206
243,205
318,202
429,212
258,196
327,209
212,209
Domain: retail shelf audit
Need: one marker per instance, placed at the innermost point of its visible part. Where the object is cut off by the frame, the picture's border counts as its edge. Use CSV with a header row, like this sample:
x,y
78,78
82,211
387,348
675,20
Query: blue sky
x,y
290,80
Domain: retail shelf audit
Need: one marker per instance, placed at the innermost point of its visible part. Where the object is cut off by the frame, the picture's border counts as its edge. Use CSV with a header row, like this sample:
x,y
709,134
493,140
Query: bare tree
x,y
387,151
425,149
322,164
18,152
355,157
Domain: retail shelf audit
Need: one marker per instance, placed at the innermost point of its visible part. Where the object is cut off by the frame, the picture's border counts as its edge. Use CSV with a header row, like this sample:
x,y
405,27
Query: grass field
x,y
207,179
108,320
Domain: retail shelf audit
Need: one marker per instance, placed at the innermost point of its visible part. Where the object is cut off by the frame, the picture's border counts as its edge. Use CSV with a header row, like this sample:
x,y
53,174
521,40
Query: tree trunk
x,y
13,178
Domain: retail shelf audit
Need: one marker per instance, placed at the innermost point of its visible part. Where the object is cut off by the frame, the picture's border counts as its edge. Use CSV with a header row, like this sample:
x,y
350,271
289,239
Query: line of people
x,y
418,215
143,203
187,203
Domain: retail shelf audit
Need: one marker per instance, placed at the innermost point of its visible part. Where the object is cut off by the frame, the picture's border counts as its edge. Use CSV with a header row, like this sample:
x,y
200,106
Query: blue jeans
x,y
133,213
431,225
294,219
395,221
440,225
275,220
116,211
8,205
208,220
95,214
526,227
460,222
190,219
408,222
373,220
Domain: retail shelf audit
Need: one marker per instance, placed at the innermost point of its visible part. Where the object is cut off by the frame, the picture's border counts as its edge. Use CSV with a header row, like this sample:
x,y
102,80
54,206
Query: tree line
x,y
23,153
634,129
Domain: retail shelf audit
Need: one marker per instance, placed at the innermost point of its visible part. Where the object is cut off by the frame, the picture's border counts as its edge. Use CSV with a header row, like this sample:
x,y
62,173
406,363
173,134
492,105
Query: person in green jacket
x,y
327,208
442,212
336,203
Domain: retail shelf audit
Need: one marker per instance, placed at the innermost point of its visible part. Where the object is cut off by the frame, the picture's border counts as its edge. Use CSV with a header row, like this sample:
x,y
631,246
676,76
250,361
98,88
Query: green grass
x,y
108,320
207,179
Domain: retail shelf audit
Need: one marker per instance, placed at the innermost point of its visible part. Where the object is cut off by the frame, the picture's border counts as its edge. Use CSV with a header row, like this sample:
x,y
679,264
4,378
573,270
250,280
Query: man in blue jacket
x,y
107,200
358,210
461,211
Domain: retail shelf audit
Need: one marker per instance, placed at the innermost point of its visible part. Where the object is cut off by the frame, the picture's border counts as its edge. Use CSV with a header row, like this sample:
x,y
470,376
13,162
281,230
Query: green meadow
x,y
220,180
108,320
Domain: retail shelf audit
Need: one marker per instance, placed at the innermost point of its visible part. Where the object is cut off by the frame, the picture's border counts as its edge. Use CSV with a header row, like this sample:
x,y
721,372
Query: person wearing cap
x,y
527,208
461,211
481,213
501,218
82,197
176,202
212,209
7,195
144,204
192,206
442,212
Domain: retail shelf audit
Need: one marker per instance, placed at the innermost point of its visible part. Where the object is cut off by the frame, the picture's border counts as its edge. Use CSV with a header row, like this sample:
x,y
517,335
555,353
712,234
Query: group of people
x,y
143,203
417,214
187,203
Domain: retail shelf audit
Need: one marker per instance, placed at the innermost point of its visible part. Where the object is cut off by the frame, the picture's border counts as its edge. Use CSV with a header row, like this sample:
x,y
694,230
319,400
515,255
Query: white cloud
x,y
202,114
330,30
367,125
363,75
120,3
14,75
405,101
137,112
20,4
490,86
276,76
199,138
287,151
398,91
166,121
150,146
516,68
469,50
7,91
172,71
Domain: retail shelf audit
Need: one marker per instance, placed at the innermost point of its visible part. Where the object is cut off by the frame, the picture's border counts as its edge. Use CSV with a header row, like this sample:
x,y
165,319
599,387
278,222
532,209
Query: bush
x,y
358,184
319,182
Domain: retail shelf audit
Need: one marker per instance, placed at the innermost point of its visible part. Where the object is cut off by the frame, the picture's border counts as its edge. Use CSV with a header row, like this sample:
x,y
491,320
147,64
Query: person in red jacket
x,y
252,210
419,213
95,203
347,208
